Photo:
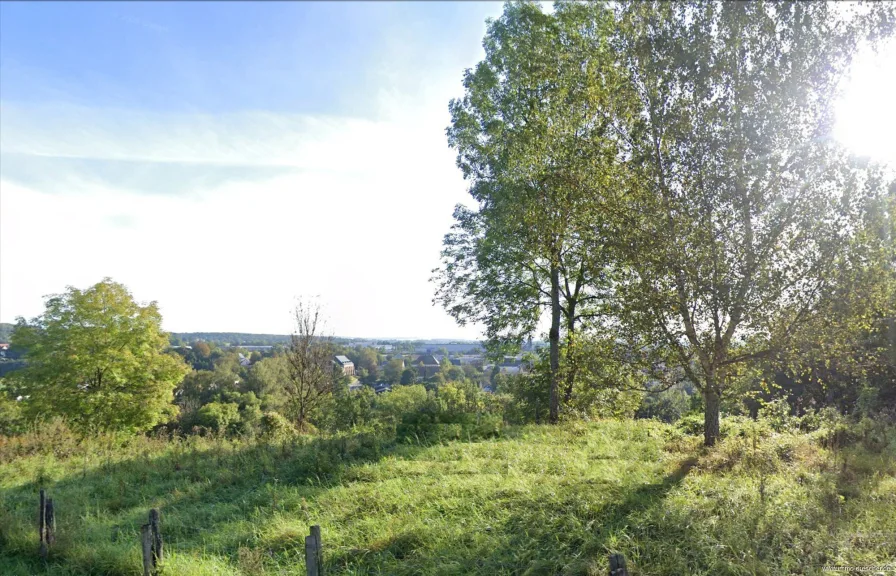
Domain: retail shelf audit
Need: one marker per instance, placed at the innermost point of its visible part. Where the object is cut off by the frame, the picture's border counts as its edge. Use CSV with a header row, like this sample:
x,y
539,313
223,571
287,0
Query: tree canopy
x,y
97,358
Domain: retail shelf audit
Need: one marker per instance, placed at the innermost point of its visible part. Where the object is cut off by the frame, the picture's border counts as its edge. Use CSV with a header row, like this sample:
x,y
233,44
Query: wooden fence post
x,y
146,541
311,556
157,551
315,531
314,559
617,565
151,543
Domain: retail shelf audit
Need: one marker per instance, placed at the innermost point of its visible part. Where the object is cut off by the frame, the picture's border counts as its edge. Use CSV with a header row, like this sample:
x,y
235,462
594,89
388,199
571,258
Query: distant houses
x,y
347,366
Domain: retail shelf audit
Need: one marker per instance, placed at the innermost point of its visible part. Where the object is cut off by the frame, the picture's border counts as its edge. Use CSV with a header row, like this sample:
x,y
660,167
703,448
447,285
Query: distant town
x,y
380,363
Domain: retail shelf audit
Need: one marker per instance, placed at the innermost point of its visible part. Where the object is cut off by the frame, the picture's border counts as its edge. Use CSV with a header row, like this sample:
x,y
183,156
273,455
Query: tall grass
x,y
538,500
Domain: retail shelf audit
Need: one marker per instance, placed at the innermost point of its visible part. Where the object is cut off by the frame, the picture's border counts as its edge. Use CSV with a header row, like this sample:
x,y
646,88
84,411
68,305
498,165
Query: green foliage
x,y
97,358
729,166
400,401
453,411
269,379
690,424
276,428
777,414
350,408
218,416
233,338
394,372
666,406
527,397
519,131
408,376
11,419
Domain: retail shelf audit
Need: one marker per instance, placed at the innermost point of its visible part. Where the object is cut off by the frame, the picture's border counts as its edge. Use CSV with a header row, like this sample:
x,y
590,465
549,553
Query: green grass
x,y
540,500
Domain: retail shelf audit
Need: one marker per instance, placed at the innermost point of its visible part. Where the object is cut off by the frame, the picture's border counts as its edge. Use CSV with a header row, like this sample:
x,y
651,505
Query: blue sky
x,y
307,57
226,158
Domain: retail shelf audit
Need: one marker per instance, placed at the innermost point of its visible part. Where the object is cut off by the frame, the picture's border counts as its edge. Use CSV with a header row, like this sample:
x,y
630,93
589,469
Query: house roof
x,y
427,360
343,359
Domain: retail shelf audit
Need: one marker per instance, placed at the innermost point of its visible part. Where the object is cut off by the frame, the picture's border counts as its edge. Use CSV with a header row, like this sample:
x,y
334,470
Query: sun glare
x,y
866,114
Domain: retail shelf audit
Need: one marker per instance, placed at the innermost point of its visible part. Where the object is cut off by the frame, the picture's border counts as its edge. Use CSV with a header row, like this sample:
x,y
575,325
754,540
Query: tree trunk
x,y
571,364
710,416
554,337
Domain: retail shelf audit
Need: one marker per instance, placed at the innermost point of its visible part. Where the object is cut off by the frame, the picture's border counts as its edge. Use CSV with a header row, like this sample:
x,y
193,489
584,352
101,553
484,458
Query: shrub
x,y
454,411
276,428
218,416
691,424
391,407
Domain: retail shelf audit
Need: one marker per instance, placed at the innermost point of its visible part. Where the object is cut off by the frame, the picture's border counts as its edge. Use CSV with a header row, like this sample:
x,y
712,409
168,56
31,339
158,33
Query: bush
x,y
691,424
454,411
218,416
276,428
392,406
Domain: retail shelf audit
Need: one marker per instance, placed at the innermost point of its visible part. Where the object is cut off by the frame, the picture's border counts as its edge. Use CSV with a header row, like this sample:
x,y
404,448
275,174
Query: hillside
x,y
539,500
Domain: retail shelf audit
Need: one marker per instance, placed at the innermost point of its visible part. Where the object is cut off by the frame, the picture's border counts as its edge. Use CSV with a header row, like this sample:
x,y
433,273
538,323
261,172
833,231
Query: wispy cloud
x,y
237,213
54,149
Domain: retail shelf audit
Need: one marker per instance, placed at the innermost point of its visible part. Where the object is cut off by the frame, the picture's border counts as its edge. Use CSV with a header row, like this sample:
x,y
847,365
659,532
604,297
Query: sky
x,y
225,159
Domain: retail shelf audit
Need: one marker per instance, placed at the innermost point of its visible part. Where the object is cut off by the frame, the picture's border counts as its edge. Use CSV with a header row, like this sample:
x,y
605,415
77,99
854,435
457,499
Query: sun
x,y
866,113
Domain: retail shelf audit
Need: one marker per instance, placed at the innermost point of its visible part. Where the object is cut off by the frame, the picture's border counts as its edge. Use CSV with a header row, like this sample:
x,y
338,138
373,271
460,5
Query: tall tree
x,y
311,372
97,358
393,369
736,203
520,132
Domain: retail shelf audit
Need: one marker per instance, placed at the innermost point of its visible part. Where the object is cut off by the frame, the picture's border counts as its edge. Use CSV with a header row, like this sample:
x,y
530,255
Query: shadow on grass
x,y
210,499
560,529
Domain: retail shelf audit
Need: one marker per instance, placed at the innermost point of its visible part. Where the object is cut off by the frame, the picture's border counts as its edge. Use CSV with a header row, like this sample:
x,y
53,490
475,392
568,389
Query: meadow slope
x,y
537,500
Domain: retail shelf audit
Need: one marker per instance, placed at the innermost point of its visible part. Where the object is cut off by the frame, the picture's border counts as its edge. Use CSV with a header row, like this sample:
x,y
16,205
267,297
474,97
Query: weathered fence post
x,y
617,565
146,541
157,552
313,553
315,531
151,541
311,556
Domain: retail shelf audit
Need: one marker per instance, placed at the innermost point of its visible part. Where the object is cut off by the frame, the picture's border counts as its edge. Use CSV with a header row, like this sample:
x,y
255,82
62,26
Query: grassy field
x,y
538,500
